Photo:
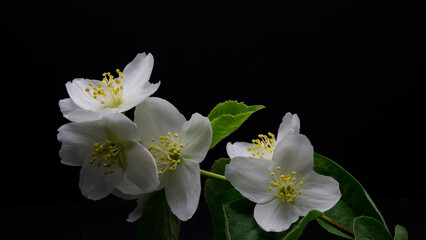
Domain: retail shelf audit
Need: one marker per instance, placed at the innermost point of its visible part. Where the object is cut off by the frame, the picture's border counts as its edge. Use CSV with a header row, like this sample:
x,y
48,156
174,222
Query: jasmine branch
x,y
337,225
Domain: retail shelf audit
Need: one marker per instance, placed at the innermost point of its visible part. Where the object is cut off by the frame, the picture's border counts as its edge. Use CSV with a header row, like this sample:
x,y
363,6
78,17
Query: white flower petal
x,y
121,127
67,105
77,141
290,123
73,112
294,153
95,184
127,190
196,137
275,216
137,72
141,168
137,95
238,149
155,117
318,192
137,212
74,155
76,90
251,177
80,115
184,189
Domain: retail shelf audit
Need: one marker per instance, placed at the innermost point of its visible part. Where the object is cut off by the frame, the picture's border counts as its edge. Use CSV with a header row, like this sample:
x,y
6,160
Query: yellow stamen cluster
x,y
109,90
285,186
167,152
108,155
264,146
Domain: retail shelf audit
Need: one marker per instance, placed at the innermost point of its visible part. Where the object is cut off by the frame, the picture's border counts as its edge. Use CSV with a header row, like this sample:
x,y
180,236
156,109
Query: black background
x,y
351,70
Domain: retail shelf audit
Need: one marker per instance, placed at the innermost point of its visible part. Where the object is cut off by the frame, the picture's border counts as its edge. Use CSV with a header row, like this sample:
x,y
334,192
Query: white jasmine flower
x,y
264,146
178,146
110,155
284,188
89,99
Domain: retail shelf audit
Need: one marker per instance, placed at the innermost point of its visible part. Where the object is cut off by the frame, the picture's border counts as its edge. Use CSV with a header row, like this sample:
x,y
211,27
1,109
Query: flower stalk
x,y
212,175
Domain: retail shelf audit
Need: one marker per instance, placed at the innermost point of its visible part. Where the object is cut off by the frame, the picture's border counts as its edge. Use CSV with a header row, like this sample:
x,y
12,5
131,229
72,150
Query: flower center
x,y
285,186
264,147
108,155
108,91
166,152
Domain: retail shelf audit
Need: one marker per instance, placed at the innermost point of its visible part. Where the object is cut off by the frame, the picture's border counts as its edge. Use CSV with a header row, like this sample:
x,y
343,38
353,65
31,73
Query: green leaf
x,y
355,201
400,233
217,193
157,221
226,117
368,228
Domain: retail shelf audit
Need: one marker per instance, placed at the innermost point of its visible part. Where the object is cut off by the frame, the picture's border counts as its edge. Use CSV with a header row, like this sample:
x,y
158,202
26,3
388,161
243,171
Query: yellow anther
x,y
176,135
272,174
282,200
153,139
300,193
282,176
249,149
278,168
294,173
301,183
160,172
270,188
